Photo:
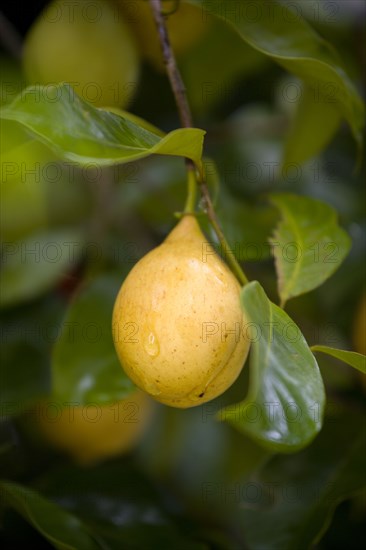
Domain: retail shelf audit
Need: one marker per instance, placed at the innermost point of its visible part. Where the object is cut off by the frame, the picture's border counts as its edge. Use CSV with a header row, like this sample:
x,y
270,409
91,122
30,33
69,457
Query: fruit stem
x,y
185,115
190,206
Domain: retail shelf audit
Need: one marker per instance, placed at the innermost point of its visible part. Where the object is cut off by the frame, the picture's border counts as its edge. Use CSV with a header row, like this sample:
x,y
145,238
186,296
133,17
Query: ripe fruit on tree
x,y
86,44
92,433
178,323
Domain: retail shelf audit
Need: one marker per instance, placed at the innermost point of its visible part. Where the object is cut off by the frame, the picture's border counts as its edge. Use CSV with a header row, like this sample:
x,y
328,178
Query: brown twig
x,y
185,115
175,78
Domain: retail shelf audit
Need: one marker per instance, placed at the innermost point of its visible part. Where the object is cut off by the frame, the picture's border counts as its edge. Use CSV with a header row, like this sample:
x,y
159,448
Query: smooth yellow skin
x,y
172,321
87,44
91,434
185,27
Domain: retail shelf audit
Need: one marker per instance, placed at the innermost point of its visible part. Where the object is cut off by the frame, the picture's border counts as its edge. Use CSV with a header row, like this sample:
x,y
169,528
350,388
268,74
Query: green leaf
x,y
308,244
247,226
136,120
201,454
356,360
284,36
154,189
82,133
119,504
298,494
18,390
62,529
34,265
284,406
314,125
219,61
85,366
27,335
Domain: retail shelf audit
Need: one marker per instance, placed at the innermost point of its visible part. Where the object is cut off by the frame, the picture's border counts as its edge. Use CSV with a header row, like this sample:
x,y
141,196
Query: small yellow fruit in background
x,y
177,321
86,44
186,25
91,433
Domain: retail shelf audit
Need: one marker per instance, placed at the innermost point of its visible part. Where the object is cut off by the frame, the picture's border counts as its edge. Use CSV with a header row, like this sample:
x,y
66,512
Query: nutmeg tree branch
x,y
174,75
180,95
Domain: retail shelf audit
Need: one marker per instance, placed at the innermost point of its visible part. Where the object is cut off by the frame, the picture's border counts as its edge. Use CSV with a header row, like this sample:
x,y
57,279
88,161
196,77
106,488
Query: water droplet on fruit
x,y
152,389
151,345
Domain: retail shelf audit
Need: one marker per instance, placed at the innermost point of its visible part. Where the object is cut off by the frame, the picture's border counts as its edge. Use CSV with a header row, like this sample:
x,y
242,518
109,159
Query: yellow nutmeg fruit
x,y
91,433
178,323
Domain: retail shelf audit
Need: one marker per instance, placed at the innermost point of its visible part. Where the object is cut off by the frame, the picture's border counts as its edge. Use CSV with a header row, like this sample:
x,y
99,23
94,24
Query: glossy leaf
x,y
308,244
136,120
247,226
297,495
154,189
202,455
27,335
18,390
62,529
312,128
23,345
85,367
119,504
356,360
284,406
218,63
284,36
79,132
34,265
